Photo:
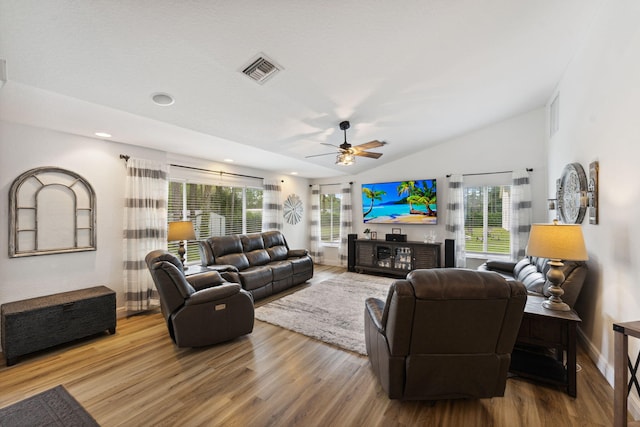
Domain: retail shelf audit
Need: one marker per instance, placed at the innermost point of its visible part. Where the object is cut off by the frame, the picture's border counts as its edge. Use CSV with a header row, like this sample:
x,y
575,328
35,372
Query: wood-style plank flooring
x,y
272,377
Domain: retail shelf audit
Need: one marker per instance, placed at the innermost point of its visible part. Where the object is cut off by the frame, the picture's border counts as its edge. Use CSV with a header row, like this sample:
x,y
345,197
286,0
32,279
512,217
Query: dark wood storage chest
x,y
39,323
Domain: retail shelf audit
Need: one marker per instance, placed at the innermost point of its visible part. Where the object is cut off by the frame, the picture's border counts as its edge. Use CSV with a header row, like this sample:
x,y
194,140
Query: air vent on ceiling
x,y
261,69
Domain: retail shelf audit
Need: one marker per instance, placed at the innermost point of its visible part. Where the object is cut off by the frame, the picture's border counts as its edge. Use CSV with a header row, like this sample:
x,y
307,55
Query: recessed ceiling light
x,y
162,99
228,160
294,173
103,134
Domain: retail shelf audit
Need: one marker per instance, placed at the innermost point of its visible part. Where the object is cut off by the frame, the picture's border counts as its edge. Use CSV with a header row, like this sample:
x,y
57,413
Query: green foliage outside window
x,y
487,222
215,210
330,217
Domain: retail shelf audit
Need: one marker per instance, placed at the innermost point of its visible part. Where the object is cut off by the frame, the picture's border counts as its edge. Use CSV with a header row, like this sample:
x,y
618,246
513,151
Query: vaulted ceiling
x,y
410,73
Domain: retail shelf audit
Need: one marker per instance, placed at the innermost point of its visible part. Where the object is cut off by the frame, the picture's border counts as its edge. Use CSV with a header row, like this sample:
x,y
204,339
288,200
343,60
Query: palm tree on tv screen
x,y
408,188
372,195
419,194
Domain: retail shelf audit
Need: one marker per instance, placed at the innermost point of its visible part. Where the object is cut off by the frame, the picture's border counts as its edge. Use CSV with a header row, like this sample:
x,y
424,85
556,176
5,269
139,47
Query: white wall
x,y
24,147
599,108
515,143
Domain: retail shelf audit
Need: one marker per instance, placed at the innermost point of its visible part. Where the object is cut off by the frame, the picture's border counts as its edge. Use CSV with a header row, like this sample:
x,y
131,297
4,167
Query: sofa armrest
x,y
502,266
213,294
297,252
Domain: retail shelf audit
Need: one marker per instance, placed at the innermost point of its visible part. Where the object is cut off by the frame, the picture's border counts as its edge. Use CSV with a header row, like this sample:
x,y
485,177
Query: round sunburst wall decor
x,y
293,209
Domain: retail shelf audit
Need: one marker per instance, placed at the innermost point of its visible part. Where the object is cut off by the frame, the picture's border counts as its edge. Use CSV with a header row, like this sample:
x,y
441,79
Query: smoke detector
x,y
261,69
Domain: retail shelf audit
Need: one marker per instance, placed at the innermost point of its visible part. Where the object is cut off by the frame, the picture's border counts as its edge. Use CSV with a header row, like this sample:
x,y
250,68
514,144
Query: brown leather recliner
x,y
202,309
444,334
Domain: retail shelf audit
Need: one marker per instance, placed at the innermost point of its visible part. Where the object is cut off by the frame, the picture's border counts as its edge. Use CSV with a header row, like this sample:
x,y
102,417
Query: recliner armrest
x,y
213,294
297,252
375,308
205,280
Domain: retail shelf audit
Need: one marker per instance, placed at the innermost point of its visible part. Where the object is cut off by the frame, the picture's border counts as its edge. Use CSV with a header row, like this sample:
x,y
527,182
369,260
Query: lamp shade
x,y
557,241
181,230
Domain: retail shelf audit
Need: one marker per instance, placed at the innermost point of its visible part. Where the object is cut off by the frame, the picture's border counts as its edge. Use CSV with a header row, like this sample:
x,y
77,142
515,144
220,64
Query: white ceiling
x,y
411,73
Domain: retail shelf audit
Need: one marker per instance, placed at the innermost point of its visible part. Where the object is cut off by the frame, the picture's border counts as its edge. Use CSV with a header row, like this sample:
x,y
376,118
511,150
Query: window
x,y
487,220
330,218
215,210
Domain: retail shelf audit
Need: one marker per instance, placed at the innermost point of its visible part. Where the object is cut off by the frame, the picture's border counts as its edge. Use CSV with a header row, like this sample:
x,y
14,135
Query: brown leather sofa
x,y
261,262
532,272
444,334
202,309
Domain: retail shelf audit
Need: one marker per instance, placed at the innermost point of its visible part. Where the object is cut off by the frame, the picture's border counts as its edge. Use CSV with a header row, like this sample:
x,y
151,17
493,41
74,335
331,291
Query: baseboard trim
x,y
608,371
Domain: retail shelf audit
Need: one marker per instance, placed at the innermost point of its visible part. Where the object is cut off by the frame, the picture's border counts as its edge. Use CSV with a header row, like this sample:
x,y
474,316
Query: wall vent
x,y
261,69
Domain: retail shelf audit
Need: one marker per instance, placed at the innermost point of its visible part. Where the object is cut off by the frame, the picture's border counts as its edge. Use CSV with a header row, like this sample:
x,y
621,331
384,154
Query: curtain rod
x,y
212,171
335,183
489,173
126,159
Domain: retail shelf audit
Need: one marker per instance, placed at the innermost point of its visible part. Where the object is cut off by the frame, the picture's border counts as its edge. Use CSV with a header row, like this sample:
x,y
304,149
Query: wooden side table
x,y
621,361
542,328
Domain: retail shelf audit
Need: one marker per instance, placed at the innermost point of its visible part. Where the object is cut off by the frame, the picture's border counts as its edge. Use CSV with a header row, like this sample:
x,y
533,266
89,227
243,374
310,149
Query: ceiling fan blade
x,y
318,155
330,145
371,144
369,154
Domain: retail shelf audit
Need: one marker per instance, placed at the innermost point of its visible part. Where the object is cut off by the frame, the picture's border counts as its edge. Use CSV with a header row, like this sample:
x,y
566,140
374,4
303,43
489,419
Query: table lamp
x,y
181,230
557,242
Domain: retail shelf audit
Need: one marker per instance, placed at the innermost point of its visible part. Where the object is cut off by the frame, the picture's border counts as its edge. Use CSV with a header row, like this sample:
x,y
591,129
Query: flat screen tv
x,y
400,202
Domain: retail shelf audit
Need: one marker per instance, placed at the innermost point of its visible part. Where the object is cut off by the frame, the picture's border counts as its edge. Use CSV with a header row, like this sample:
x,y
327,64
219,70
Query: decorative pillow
x,y
525,272
519,266
534,282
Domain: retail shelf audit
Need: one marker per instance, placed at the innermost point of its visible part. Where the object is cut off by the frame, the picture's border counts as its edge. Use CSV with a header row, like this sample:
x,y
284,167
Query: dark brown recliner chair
x,y
444,334
202,309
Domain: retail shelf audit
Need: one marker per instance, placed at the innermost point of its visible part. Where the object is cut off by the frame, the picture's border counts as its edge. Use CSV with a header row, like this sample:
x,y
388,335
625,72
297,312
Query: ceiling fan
x,y
347,153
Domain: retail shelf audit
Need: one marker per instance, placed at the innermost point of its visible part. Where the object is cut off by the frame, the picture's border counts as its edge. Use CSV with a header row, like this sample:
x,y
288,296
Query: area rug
x,y
331,311
54,407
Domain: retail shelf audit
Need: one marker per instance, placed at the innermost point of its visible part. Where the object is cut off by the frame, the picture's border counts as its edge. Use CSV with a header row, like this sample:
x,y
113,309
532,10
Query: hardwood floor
x,y
273,377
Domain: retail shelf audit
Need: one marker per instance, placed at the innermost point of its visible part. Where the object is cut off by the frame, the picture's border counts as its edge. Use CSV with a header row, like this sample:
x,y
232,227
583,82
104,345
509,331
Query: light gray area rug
x,y
331,311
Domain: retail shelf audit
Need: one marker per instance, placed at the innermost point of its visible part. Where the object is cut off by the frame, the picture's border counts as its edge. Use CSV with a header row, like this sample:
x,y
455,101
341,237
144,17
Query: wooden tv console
x,y
395,258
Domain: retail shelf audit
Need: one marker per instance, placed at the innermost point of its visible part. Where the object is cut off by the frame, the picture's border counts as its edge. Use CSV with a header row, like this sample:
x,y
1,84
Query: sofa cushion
x,y
251,242
273,238
255,277
278,253
238,260
281,269
258,257
224,245
301,265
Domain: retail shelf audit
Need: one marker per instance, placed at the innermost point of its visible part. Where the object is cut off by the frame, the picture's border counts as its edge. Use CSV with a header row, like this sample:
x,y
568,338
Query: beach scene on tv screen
x,y
401,202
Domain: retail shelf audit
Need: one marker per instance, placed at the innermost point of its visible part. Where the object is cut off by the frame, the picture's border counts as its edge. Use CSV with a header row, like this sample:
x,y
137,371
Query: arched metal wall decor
x,y
51,211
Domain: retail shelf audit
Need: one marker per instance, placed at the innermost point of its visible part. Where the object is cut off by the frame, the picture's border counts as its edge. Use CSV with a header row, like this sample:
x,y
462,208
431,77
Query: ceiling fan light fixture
x,y
345,159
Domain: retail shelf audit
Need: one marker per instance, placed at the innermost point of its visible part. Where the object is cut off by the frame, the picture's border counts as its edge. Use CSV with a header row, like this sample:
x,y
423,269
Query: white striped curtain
x,y
521,213
271,206
145,229
315,247
346,221
455,218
